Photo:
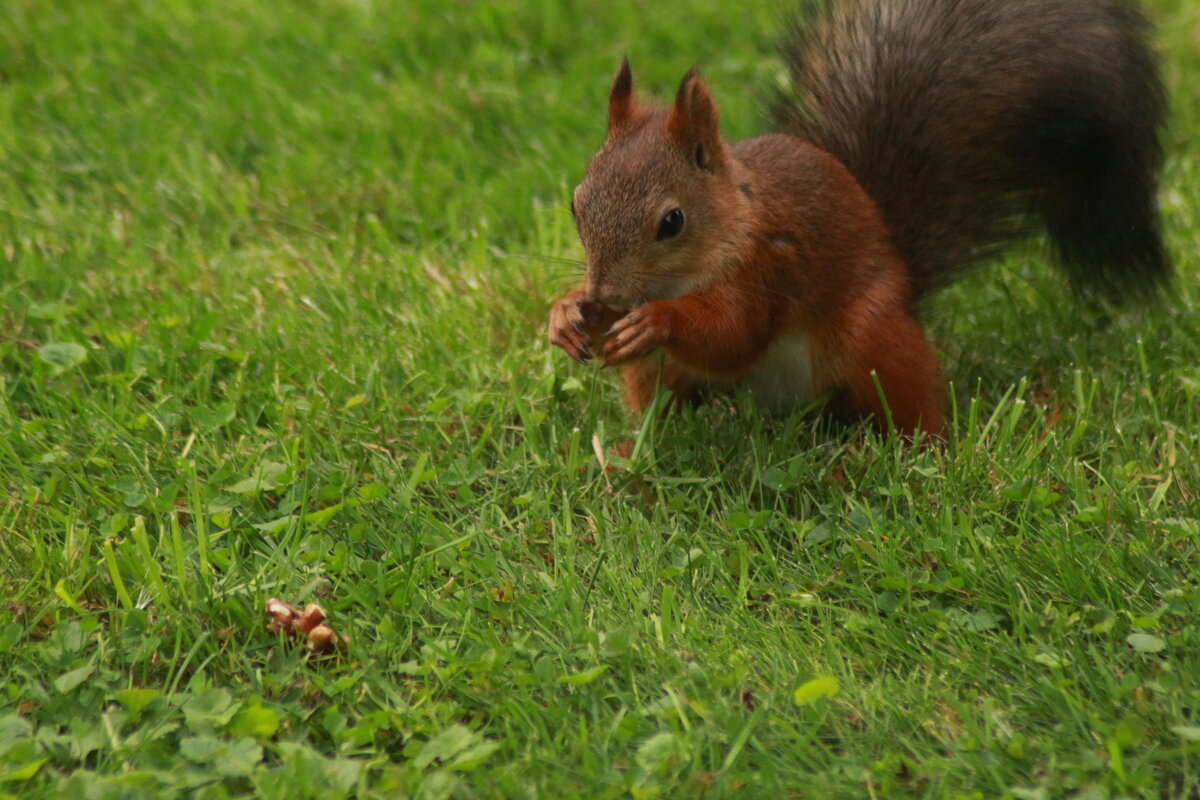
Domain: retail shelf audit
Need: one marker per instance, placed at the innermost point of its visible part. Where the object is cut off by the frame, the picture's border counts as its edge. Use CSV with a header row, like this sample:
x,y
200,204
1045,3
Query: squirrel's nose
x,y
610,300
606,294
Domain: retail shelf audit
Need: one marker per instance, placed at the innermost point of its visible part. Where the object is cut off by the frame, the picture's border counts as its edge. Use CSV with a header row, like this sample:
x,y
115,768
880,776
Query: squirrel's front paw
x,y
573,324
638,334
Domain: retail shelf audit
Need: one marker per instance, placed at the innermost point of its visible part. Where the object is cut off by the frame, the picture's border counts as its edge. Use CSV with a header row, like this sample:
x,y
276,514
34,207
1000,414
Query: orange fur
x,y
929,134
779,240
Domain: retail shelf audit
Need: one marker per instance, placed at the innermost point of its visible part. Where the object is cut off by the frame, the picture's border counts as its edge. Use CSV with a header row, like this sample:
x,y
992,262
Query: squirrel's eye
x,y
671,225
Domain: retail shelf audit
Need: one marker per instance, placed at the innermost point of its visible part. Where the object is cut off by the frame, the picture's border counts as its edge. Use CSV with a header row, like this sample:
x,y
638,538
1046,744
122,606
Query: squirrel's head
x,y
658,199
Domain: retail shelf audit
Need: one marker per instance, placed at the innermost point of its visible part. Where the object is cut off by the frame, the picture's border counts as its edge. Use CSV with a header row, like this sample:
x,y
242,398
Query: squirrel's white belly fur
x,y
783,378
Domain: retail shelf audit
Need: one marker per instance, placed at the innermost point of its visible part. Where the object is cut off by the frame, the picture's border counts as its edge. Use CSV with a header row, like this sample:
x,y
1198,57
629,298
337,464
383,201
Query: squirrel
x,y
918,138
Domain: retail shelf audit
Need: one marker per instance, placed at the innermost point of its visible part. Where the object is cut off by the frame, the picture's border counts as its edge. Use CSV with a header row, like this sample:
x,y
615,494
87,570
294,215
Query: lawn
x,y
273,289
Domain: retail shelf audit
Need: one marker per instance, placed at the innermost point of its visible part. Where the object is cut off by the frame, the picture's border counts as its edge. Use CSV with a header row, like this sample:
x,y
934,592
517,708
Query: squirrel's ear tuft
x,y
694,122
620,99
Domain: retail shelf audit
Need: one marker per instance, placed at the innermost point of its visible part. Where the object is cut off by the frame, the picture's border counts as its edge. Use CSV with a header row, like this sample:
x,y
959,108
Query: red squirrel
x,y
920,137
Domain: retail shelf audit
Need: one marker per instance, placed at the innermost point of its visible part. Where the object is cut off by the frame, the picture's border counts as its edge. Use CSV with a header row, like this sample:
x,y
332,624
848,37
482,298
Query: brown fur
x,y
971,122
749,267
781,246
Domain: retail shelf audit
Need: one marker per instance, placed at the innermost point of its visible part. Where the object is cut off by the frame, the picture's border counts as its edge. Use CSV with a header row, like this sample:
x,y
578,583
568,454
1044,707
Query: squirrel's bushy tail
x,y
971,122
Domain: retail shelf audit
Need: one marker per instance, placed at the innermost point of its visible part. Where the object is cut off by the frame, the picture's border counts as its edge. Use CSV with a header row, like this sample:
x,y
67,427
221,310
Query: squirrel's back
x,y
970,122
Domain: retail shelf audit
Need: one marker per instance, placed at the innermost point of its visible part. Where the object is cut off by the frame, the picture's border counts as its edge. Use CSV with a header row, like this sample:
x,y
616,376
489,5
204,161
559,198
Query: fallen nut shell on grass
x,y
283,616
313,616
307,623
321,638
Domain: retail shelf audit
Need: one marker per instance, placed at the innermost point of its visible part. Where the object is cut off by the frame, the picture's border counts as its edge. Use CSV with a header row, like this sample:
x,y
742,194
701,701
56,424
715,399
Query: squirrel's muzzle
x,y
607,295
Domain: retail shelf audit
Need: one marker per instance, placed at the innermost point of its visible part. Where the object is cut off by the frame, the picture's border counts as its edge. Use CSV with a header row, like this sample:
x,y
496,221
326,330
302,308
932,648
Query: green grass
x,y
273,285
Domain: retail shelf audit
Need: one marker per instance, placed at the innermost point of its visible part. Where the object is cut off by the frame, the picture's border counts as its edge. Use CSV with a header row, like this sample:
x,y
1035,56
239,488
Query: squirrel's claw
x,y
566,327
575,323
636,335
572,341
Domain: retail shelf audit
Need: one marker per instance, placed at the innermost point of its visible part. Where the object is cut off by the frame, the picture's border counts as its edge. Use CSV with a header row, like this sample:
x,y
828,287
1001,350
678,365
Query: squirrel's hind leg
x,y
885,358
642,377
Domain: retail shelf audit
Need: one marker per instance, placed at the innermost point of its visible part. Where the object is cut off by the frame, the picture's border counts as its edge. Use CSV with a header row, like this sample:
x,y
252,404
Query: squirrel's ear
x,y
620,99
693,123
